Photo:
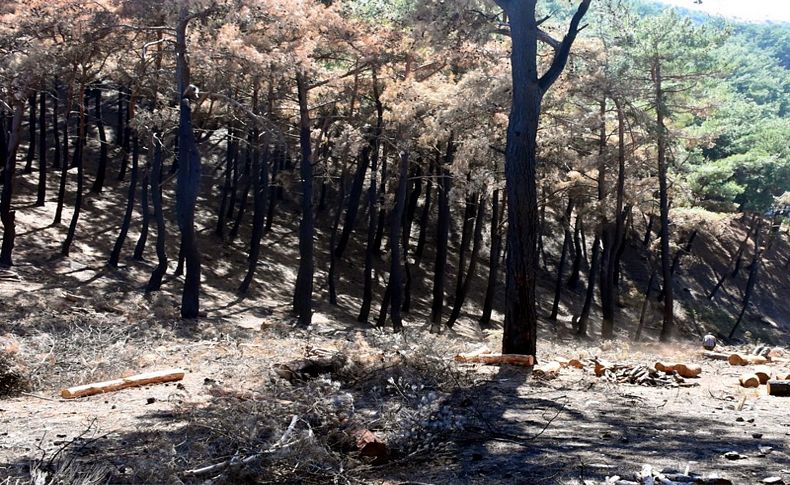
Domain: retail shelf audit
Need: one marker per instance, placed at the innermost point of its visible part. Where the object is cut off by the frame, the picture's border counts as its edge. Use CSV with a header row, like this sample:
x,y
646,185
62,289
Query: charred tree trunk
x,y
666,270
578,253
245,192
78,161
139,248
155,282
493,261
230,160
41,193
641,326
101,169
115,255
353,205
55,124
8,216
442,236
425,214
260,178
303,293
470,209
589,296
64,166
31,148
367,292
734,263
411,211
396,221
188,180
331,276
477,239
566,242
126,135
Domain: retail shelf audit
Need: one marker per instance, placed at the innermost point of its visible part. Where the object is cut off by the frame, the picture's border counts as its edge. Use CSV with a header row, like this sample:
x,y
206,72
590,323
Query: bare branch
x,y
564,50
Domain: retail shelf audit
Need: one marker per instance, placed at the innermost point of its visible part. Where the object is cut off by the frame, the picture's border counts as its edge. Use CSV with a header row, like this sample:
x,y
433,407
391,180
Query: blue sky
x,y
751,10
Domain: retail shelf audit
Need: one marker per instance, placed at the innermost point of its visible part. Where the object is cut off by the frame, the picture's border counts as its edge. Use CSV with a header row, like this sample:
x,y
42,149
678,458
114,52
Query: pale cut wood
x,y
749,380
168,375
779,388
495,359
683,370
763,372
743,359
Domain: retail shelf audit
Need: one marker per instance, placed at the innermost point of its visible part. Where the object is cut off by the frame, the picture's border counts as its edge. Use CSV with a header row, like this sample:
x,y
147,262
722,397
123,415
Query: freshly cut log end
x,y
779,388
496,359
168,375
750,380
763,372
743,359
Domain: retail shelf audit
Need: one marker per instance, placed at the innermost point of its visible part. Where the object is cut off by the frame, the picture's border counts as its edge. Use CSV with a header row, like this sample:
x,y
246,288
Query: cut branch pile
x,y
639,374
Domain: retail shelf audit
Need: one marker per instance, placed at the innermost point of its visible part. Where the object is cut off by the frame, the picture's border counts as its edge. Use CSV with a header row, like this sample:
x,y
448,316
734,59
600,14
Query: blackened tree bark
x,y
444,184
354,196
382,192
578,252
584,317
735,262
649,231
78,161
126,133
425,214
231,155
668,326
64,166
396,221
55,124
188,180
246,186
411,210
477,239
493,261
41,193
8,216
101,169
115,255
566,242
155,281
470,209
31,148
331,276
520,331
303,293
139,248
367,291
260,179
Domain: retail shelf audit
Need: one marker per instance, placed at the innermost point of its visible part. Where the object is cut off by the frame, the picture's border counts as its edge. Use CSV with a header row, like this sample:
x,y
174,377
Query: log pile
x,y
639,374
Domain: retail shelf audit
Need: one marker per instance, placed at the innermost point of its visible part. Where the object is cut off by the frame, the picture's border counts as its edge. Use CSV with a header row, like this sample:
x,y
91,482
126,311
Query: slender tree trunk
x,y
396,221
303,293
669,324
126,135
78,160
411,211
101,169
367,292
442,236
425,214
31,148
589,296
493,261
139,248
247,181
230,160
41,193
331,276
8,216
470,209
734,263
115,255
649,231
573,279
55,124
353,205
382,192
566,242
64,166
260,177
477,239
155,282
641,326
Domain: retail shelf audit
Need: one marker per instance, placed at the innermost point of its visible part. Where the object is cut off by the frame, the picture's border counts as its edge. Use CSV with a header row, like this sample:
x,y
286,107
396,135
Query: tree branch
x,y
564,50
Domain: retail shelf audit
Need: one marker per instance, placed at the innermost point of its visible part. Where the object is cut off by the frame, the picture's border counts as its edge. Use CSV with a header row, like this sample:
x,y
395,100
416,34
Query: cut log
x,y
571,363
547,371
779,388
782,375
716,355
749,380
763,372
683,370
744,359
157,377
496,359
